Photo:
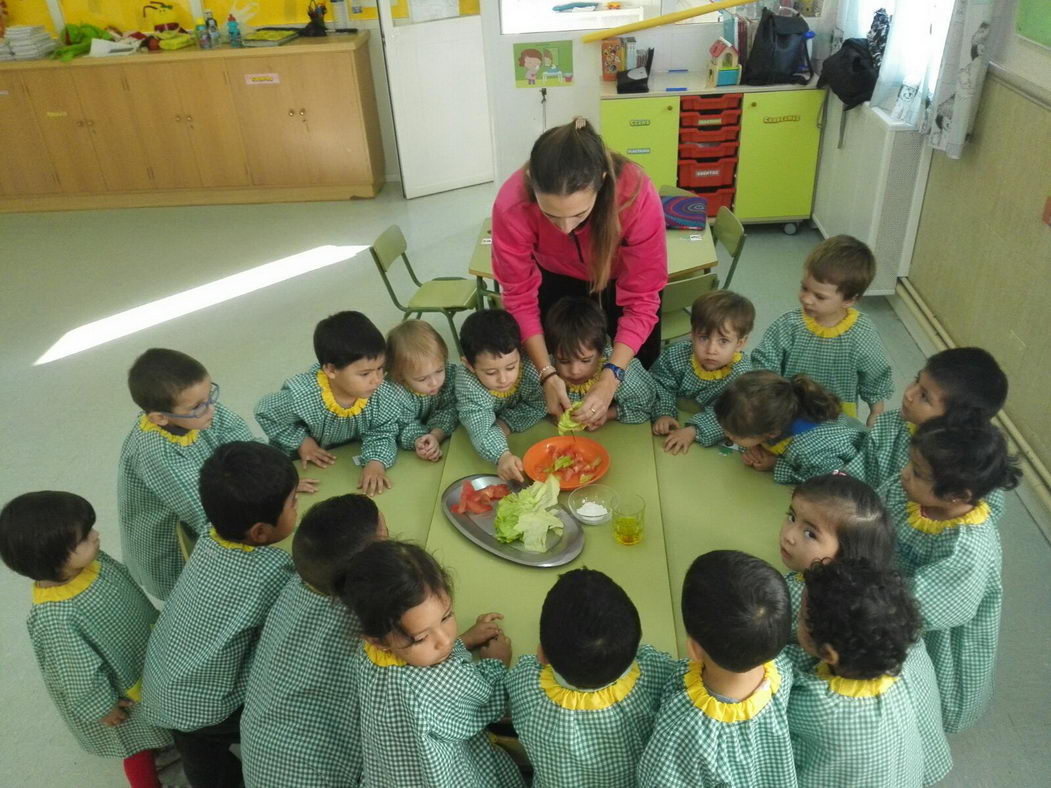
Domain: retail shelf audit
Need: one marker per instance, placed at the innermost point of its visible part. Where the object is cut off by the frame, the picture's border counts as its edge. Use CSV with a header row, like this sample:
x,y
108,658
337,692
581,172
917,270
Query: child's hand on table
x,y
116,715
310,451
509,467
427,448
497,648
307,486
680,440
485,629
373,479
759,458
664,425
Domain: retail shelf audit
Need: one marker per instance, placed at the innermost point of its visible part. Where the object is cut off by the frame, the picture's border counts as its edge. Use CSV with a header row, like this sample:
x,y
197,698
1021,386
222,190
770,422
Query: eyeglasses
x,y
200,410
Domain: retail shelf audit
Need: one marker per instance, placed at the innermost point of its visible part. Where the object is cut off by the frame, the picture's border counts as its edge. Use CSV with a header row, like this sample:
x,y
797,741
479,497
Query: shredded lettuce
x,y
566,422
524,515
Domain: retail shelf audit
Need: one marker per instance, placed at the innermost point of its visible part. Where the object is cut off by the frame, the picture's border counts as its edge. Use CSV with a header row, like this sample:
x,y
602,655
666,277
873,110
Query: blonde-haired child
x,y
827,338
792,427
425,381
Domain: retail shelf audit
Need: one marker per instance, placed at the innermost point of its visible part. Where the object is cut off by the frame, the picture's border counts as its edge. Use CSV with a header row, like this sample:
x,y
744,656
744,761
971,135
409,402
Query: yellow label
x,y
56,114
781,119
262,79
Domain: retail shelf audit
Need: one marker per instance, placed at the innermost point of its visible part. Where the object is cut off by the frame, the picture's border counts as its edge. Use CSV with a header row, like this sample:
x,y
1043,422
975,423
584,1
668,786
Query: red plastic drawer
x,y
709,103
697,174
709,135
727,117
716,199
707,150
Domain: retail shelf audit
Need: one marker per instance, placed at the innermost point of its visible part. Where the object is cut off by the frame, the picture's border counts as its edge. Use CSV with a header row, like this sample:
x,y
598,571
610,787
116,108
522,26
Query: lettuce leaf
x,y
524,515
566,422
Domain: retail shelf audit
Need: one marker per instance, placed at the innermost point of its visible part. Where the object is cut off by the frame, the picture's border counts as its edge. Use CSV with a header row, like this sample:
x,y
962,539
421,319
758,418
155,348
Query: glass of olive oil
x,y
629,519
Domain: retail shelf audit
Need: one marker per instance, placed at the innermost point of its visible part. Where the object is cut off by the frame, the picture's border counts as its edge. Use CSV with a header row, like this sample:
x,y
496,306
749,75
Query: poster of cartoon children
x,y
544,65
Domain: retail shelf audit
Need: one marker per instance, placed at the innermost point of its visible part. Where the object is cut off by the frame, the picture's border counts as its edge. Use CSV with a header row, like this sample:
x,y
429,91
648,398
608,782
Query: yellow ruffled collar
x,y
911,427
588,700
228,544
583,388
330,400
854,688
179,440
714,374
978,515
382,658
511,391
780,447
88,575
829,332
730,712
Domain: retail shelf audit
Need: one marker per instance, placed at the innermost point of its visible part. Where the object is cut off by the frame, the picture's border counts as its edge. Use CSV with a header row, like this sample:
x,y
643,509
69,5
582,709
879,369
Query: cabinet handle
x,y
291,113
189,118
302,112
670,109
80,123
91,123
755,103
178,118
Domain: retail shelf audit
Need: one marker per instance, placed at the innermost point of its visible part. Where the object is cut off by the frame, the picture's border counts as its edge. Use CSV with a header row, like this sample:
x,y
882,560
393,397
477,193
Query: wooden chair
x,y
728,231
445,294
676,301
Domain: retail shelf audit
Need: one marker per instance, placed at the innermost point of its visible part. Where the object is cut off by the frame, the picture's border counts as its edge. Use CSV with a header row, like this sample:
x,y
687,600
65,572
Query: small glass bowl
x,y
600,494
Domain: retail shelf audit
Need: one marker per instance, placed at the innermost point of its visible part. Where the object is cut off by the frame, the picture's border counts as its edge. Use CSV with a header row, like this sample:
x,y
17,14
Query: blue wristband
x,y
618,372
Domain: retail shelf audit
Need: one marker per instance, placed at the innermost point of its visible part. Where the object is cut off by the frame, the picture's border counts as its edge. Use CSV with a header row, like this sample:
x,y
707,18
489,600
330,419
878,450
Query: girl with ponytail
x,y
580,220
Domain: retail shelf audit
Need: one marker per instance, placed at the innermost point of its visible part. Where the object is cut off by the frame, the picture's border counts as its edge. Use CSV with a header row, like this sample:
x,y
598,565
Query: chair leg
x,y
456,335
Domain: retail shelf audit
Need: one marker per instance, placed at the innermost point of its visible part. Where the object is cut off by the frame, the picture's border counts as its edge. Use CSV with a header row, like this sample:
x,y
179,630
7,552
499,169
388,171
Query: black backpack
x,y
778,55
850,73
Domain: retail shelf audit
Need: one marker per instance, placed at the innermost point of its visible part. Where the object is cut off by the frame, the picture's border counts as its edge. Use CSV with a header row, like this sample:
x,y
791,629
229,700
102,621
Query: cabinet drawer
x,y
696,174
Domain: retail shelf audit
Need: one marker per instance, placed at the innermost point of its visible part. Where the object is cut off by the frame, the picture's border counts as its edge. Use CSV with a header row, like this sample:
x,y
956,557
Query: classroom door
x,y
436,78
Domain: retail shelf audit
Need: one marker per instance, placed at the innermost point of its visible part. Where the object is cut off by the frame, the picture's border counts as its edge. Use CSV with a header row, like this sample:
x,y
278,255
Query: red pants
x,y
141,771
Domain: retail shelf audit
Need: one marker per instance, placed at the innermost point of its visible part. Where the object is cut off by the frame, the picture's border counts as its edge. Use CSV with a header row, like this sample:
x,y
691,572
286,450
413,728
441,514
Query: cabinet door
x,y
778,154
24,164
162,120
64,130
646,130
106,100
212,123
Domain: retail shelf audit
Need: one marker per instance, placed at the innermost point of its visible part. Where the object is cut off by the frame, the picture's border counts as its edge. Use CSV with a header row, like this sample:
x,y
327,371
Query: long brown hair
x,y
761,402
572,158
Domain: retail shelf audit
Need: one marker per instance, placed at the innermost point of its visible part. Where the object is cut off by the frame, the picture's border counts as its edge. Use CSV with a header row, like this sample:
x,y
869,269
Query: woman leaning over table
x,y
579,219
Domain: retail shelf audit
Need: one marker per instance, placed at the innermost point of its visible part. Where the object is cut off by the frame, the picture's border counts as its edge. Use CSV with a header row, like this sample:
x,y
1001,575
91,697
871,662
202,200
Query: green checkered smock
x,y
479,409
849,360
825,448
157,479
848,732
700,741
884,450
89,637
635,394
299,728
678,375
305,407
202,647
420,414
587,737
795,583
955,569
425,727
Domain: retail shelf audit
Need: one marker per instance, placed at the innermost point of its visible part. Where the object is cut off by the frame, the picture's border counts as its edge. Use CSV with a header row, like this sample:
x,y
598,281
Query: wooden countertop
x,y
696,84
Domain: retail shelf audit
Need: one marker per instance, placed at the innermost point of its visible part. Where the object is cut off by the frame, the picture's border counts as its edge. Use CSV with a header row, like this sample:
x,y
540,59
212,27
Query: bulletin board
x,y
1033,21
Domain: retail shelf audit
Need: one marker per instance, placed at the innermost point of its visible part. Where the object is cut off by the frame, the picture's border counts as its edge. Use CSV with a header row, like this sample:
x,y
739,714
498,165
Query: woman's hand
x,y
594,407
556,397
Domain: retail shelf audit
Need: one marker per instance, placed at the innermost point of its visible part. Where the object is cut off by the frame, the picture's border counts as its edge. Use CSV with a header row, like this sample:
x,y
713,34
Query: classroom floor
x,y
64,422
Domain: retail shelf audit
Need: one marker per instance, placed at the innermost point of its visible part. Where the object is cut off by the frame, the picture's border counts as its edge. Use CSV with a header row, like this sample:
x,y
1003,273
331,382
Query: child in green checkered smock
x,y
299,728
341,398
89,624
160,461
201,650
949,546
722,719
425,381
827,339
791,427
701,369
584,707
497,391
863,710
423,705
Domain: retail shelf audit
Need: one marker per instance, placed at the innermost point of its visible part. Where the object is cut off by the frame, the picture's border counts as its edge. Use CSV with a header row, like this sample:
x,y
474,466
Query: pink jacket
x,y
523,238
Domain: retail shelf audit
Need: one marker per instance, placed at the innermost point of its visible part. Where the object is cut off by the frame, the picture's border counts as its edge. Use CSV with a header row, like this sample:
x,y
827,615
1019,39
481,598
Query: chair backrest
x,y
729,231
388,247
681,293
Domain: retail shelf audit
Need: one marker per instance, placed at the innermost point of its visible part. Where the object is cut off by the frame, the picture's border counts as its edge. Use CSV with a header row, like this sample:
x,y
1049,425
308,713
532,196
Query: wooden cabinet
x,y
646,130
25,167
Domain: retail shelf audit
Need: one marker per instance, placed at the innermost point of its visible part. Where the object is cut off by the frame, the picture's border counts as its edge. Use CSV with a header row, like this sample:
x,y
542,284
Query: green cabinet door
x,y
780,137
646,130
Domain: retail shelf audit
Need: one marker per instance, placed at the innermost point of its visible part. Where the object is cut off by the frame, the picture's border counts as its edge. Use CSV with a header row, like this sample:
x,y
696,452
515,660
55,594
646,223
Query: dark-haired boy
x,y
864,706
298,727
497,391
341,398
722,719
827,338
180,425
584,706
702,368
202,647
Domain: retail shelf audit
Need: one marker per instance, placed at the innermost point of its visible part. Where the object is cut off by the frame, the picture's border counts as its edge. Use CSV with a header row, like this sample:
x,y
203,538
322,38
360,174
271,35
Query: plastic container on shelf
x,y
204,40
709,103
234,32
701,174
716,198
709,135
707,150
726,117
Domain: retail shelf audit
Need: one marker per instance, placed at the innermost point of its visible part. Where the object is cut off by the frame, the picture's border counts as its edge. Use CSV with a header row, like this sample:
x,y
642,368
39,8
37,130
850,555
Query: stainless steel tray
x,y
479,529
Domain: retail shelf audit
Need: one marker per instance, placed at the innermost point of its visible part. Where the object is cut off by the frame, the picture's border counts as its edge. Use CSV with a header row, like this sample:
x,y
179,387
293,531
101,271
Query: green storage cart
x,y
646,131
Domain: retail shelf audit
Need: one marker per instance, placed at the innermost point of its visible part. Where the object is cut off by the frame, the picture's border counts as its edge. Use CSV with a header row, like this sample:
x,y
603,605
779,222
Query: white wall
x,y
379,79
1024,58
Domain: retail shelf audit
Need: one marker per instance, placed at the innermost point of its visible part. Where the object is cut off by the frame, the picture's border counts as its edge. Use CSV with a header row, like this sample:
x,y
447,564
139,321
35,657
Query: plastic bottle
x,y
213,29
204,41
234,32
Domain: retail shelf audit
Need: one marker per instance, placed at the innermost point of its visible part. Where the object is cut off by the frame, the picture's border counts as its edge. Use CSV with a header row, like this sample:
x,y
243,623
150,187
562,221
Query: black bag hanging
x,y
778,55
850,73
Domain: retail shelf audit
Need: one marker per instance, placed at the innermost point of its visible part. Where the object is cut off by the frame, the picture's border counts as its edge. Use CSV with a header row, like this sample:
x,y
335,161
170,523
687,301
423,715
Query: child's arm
x,y
475,409
773,348
174,481
470,696
282,425
531,406
666,386
636,396
443,416
950,590
709,431
410,427
379,448
875,380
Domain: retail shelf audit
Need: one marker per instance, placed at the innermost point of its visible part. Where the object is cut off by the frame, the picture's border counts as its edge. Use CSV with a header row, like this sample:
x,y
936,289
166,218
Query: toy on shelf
x,y
725,65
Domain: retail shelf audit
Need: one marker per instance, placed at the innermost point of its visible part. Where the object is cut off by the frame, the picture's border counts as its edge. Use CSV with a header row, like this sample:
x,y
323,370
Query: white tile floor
x,y
63,422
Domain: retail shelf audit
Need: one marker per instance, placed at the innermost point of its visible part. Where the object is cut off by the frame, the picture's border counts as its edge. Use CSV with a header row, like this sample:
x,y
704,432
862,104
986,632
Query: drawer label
x,y
59,114
639,151
640,122
262,79
781,119
716,121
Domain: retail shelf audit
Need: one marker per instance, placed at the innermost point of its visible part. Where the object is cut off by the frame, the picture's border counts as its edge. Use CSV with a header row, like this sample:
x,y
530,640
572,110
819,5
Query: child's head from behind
x,y
351,352
720,322
760,405
836,516
490,340
48,535
248,491
575,332
403,600
957,465
859,618
589,629
964,384
736,610
330,534
416,356
173,389
835,275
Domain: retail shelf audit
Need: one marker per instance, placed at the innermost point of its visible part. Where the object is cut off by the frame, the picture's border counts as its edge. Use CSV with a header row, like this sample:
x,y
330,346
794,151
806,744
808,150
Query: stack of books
x,y
29,42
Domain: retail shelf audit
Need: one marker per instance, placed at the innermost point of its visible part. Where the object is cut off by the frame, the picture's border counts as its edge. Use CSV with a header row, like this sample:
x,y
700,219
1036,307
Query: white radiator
x,y
868,187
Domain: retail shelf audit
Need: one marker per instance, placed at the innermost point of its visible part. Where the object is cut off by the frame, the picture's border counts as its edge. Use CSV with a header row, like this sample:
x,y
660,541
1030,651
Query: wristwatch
x,y
618,372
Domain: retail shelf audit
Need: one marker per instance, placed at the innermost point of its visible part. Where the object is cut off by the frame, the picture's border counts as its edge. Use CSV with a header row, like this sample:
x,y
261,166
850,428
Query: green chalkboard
x,y
1034,21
